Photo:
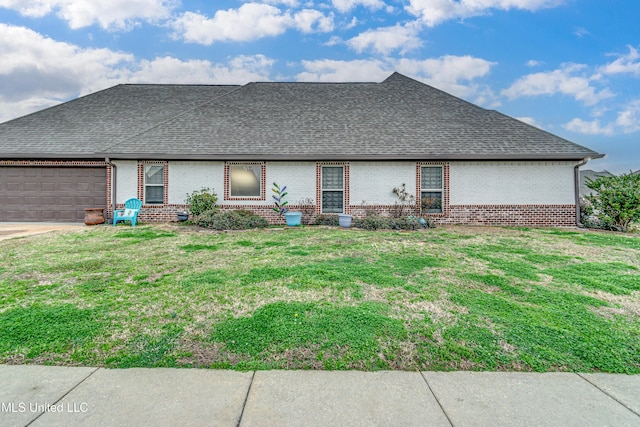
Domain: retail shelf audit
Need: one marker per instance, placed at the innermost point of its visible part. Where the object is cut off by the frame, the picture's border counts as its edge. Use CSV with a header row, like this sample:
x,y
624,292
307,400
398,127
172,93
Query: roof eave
x,y
352,157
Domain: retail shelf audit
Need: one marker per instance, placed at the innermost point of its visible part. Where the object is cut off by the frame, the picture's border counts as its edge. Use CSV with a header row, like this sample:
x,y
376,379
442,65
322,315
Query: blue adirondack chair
x,y
129,213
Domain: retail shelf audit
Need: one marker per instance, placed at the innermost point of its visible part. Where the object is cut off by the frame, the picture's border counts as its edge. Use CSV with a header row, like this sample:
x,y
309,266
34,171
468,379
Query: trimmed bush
x,y
376,222
231,220
202,201
326,220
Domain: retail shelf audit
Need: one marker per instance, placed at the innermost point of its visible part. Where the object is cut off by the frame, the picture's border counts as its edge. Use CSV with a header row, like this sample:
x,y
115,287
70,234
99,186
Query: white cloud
x,y
37,72
581,32
533,63
239,70
530,121
36,66
454,74
83,13
434,12
563,81
589,128
625,64
328,70
346,5
251,21
290,3
385,40
310,20
629,118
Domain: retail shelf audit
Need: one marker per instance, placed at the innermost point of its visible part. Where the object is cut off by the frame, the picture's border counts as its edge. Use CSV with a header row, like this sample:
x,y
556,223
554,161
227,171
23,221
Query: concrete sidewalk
x,y
10,230
59,396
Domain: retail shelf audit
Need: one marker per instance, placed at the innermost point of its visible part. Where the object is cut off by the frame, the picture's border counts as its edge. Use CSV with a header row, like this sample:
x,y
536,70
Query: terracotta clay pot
x,y
94,216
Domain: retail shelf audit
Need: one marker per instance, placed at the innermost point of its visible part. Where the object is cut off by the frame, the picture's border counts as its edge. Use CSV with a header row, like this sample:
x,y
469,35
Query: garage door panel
x,y
50,193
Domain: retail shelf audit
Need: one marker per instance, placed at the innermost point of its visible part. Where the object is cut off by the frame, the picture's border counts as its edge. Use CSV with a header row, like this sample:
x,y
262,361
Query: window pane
x,y
154,195
332,178
154,175
431,201
431,177
332,201
245,180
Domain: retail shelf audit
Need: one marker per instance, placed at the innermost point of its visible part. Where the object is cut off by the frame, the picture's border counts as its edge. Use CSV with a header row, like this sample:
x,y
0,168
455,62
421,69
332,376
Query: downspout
x,y
576,179
113,186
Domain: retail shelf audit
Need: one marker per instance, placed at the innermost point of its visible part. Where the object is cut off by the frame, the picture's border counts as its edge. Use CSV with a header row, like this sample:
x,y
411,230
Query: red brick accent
x,y
108,213
505,215
51,163
263,181
512,215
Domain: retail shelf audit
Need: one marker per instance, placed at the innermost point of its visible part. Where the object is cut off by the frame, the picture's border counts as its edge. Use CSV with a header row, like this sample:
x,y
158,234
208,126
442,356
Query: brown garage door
x,y
50,194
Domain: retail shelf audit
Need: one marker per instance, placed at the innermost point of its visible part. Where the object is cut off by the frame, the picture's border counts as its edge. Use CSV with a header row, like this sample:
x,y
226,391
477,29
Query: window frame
x,y
440,190
262,180
323,190
143,167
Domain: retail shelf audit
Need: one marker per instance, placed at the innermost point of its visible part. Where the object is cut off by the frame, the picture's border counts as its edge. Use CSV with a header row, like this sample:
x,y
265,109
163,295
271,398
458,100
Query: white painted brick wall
x,y
373,182
126,180
481,183
187,177
299,177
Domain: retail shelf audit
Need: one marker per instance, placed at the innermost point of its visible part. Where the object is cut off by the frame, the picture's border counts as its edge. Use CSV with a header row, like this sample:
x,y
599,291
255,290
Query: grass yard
x,y
452,298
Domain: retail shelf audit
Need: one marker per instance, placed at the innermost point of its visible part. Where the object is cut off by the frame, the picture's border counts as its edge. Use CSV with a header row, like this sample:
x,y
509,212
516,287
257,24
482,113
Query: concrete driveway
x,y
9,230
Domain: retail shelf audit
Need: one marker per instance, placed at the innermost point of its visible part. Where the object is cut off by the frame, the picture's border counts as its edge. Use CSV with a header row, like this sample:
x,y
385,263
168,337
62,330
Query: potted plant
x,y
292,218
344,220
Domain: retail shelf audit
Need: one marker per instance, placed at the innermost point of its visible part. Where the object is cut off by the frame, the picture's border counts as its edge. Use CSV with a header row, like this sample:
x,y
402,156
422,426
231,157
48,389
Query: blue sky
x,y
571,67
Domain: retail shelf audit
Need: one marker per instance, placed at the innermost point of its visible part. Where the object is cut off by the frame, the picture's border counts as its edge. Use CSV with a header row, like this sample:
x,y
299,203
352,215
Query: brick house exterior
x,y
338,147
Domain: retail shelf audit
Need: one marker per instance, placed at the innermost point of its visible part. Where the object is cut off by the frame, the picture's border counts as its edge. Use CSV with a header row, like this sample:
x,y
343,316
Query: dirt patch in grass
x,y
627,305
199,354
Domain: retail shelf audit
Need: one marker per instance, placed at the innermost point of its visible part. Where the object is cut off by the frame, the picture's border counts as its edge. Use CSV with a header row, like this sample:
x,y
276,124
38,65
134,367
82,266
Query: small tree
x,y
616,202
407,201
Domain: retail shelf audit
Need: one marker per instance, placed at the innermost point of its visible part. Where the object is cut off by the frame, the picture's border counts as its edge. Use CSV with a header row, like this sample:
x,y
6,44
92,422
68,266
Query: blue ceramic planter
x,y
293,218
344,220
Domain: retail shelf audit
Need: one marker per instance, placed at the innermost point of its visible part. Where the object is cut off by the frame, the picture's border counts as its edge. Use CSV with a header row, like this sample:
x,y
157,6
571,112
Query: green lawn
x,y
451,298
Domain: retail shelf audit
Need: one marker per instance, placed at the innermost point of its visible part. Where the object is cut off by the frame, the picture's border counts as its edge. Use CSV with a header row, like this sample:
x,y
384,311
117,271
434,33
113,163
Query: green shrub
x,y
616,202
231,220
202,201
376,222
372,222
326,220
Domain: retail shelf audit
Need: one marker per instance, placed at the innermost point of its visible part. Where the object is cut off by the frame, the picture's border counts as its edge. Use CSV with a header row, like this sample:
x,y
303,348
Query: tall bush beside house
x,y
201,201
615,202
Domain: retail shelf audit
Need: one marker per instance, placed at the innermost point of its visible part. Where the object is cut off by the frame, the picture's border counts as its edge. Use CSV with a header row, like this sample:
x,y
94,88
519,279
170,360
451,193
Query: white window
x,y
154,184
332,189
431,187
245,180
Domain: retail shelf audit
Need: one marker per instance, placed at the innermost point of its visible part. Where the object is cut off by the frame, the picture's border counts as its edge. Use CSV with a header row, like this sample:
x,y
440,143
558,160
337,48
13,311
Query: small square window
x,y
245,180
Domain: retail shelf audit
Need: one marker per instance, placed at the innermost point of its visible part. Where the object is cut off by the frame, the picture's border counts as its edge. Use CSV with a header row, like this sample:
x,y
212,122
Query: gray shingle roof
x,y
399,118
86,126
